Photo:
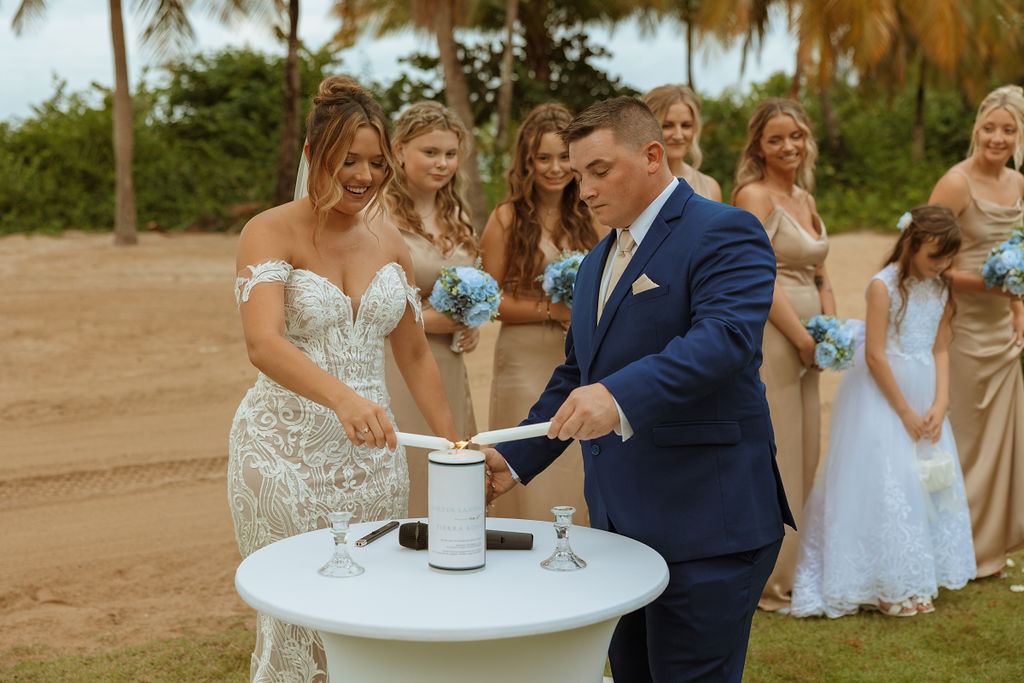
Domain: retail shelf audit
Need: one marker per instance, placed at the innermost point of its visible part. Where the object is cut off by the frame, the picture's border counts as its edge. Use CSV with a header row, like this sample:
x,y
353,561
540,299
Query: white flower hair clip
x,y
905,220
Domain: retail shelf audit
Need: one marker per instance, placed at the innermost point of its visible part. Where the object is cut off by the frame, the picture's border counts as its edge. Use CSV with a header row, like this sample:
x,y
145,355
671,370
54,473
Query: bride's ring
x,y
364,430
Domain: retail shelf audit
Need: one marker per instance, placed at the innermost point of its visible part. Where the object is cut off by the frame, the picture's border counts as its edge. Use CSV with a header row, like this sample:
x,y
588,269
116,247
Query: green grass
x,y
975,634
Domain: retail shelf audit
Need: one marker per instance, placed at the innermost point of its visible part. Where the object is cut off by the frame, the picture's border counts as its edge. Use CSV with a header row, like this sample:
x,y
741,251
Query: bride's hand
x,y
365,422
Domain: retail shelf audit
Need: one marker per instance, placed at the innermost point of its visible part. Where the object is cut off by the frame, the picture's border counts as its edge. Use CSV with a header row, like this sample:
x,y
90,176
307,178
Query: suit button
x,y
595,449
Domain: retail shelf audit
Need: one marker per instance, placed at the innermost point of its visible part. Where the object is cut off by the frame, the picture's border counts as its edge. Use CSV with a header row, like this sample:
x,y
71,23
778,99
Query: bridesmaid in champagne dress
x,y
986,387
319,291
541,215
678,110
774,180
424,202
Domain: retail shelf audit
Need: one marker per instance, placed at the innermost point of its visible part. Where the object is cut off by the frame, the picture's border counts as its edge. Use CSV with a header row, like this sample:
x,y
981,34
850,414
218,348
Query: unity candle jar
x,y
456,505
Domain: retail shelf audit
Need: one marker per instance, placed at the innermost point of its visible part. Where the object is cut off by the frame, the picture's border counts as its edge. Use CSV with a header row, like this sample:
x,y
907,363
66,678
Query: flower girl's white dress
x,y
870,530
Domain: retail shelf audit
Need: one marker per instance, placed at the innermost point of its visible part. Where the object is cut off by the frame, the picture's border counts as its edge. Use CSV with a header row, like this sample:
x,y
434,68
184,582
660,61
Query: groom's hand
x,y
499,476
588,413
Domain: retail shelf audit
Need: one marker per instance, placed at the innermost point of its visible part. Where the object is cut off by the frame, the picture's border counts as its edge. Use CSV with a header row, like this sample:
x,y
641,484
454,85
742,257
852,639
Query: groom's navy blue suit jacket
x,y
698,478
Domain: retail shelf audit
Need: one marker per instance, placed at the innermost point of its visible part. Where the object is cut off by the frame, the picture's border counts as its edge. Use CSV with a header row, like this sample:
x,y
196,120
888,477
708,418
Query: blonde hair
x,y
340,108
660,99
452,213
751,167
1010,98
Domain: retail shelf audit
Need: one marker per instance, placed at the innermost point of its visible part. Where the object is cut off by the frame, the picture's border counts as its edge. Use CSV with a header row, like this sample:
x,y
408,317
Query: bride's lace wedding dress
x,y
290,461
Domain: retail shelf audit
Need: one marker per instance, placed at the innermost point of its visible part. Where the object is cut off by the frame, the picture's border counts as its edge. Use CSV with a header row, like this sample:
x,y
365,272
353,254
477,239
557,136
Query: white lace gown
x,y
870,531
290,461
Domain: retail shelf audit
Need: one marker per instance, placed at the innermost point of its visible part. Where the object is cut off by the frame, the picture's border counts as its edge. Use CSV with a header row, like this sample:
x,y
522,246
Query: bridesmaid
x,y
541,215
424,202
774,181
986,406
678,109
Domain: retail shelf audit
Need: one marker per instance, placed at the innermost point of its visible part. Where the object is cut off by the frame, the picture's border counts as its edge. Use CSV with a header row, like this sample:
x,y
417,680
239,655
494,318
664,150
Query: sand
x,y
120,371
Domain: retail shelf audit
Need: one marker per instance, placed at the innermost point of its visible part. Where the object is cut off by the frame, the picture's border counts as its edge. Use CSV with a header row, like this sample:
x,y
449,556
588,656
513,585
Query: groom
x,y
664,350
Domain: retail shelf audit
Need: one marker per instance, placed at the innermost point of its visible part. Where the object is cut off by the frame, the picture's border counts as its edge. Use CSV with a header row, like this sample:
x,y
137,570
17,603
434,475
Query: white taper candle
x,y
512,433
435,443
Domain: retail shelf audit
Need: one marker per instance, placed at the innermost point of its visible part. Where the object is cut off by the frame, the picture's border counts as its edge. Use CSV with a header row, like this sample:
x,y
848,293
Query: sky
x,y
73,43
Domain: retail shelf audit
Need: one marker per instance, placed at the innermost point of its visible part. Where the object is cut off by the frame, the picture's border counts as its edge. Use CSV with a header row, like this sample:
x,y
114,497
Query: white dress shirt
x,y
638,229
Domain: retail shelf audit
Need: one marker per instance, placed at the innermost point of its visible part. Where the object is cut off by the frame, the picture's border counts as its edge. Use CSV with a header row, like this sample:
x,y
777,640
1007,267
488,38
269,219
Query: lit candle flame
x,y
461,445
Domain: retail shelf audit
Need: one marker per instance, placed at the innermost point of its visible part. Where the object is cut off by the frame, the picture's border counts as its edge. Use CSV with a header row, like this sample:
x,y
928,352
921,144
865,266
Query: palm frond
x,y
30,13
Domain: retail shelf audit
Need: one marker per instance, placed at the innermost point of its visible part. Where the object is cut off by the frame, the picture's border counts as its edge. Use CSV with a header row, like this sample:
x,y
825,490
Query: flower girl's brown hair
x,y
930,224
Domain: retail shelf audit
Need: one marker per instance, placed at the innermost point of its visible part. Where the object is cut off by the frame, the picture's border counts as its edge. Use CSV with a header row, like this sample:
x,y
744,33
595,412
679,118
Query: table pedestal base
x,y
574,656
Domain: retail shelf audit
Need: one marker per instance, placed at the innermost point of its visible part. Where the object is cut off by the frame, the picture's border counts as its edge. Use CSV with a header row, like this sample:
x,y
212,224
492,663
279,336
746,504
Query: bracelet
x,y
548,310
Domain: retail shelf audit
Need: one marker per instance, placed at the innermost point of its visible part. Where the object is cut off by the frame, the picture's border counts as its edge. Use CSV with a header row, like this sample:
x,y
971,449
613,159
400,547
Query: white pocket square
x,y
643,283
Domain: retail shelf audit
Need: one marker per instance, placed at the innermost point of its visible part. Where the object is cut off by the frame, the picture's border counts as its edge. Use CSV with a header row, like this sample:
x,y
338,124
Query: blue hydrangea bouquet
x,y
836,340
1004,267
559,277
467,295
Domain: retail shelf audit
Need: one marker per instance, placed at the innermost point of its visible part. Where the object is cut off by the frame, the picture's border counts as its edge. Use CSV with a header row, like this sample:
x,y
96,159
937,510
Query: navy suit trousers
x,y
697,630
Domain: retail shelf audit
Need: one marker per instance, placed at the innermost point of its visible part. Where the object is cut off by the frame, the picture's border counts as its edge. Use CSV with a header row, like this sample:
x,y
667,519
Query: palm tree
x,y
505,90
167,27
438,18
288,152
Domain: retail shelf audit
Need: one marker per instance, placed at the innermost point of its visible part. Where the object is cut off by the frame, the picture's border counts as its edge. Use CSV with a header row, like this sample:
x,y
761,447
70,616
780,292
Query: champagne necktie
x,y
624,251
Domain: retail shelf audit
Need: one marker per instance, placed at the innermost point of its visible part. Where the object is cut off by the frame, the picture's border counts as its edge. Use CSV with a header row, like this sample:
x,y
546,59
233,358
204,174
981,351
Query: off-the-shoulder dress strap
x,y
268,271
970,188
412,294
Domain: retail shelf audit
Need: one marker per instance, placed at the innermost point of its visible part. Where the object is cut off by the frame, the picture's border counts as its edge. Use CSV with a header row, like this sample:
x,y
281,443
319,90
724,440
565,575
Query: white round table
x,y
512,621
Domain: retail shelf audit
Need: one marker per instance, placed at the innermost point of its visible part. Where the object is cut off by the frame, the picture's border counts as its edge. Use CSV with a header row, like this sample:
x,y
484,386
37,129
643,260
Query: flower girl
x,y
886,522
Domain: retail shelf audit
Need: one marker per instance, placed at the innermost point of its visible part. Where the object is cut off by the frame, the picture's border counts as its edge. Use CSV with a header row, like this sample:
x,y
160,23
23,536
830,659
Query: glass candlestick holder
x,y
563,559
340,565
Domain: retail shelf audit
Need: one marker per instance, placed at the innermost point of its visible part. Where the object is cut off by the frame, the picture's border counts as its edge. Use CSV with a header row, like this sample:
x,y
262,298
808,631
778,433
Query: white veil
x,y
302,175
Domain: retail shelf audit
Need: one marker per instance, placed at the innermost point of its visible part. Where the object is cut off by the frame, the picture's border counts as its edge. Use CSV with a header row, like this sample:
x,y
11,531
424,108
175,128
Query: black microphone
x,y
414,535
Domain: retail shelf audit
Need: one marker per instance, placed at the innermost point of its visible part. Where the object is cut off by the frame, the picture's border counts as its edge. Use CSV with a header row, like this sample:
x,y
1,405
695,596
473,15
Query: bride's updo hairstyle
x,y
1010,98
751,166
419,119
340,107
930,224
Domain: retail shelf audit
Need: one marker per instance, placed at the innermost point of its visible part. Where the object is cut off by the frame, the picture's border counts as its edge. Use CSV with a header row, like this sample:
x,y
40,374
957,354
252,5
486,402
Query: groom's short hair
x,y
630,121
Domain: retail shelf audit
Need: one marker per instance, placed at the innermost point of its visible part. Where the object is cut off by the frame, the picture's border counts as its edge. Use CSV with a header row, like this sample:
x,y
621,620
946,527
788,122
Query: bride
x,y
318,293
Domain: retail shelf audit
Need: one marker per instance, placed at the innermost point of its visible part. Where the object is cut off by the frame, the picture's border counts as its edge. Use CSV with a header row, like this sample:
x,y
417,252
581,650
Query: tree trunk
x,y
798,75
917,135
505,91
689,52
457,94
288,152
125,232
539,42
833,136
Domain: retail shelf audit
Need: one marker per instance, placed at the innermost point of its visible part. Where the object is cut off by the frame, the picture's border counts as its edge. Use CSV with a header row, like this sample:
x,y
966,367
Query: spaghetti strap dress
x,y
792,393
427,262
525,355
986,404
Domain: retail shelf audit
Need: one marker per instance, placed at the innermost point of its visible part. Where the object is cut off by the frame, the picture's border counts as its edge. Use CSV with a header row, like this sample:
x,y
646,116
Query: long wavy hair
x,y
340,108
751,166
661,98
1010,98
574,231
929,224
452,213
